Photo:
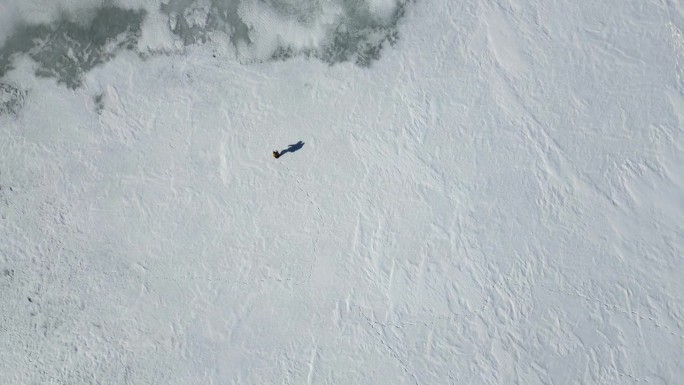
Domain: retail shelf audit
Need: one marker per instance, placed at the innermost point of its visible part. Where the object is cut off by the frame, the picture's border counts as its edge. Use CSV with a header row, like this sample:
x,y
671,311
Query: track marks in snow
x,y
369,237
418,285
128,124
319,226
379,333
555,164
312,363
678,47
508,281
246,275
423,119
223,163
503,40
505,287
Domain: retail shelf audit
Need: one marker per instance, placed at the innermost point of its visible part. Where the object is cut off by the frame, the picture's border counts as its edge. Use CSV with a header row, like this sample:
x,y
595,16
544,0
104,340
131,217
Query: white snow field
x,y
488,192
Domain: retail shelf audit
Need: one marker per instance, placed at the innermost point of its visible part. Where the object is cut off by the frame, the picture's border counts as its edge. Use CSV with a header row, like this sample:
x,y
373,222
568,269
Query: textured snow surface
x,y
488,192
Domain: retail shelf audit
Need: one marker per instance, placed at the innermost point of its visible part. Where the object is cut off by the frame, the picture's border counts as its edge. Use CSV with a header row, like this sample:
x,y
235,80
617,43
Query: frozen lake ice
x,y
476,192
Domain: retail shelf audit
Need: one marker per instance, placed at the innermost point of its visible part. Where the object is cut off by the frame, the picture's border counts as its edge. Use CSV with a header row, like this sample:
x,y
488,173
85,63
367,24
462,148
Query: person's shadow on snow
x,y
292,148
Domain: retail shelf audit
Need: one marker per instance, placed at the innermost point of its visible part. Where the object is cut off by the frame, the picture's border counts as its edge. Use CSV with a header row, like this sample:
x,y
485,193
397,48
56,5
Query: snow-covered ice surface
x,y
489,192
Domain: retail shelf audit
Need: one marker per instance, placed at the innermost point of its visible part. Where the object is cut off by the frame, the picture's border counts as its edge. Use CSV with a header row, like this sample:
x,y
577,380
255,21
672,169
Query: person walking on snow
x,y
276,154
